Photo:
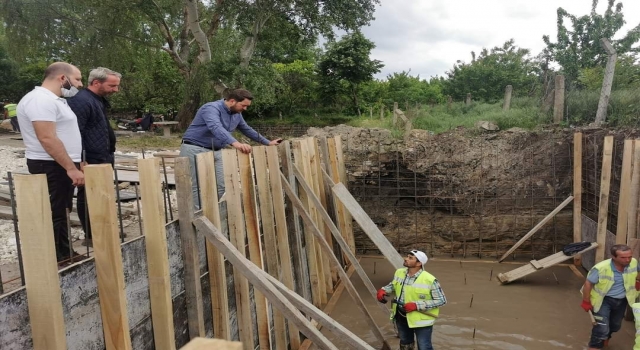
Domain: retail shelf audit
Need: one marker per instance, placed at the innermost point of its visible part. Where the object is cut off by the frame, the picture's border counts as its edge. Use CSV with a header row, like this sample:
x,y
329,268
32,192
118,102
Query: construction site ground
x,y
535,313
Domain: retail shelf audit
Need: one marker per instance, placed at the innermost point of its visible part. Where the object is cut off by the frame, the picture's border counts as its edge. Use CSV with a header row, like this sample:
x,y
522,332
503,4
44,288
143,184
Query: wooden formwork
x,y
253,234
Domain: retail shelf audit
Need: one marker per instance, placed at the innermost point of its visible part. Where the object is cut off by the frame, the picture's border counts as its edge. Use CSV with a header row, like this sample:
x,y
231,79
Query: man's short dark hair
x,y
619,248
239,95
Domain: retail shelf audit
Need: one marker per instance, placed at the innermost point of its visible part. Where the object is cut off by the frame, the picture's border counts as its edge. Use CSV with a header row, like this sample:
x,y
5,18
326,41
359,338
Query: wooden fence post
x,y
623,198
558,107
468,101
577,193
507,98
607,82
605,181
633,196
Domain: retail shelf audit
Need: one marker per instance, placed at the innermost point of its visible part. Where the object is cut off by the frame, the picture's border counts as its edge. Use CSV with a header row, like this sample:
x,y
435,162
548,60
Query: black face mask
x,y
67,84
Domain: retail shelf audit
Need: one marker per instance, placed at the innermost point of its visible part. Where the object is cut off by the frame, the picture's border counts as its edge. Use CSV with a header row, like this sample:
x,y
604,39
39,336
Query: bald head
x,y
59,68
61,75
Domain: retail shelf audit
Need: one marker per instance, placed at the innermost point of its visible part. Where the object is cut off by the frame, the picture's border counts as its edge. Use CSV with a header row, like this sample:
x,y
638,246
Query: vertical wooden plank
x,y
577,193
341,214
605,181
106,244
286,270
269,233
44,296
632,217
623,201
237,238
255,248
301,269
308,237
342,170
157,254
217,272
192,287
316,178
308,163
325,191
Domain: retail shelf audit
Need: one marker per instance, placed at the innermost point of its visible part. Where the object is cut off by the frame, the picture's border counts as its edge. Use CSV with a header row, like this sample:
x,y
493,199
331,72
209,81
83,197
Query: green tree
x,y
579,47
626,76
346,65
193,33
8,72
490,72
298,85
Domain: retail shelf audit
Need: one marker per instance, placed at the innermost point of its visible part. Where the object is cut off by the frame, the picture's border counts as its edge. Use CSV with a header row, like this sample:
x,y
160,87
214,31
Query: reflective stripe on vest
x,y
420,290
606,280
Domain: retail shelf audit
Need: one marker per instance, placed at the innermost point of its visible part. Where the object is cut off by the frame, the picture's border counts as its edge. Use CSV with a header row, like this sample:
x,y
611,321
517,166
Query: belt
x,y
187,142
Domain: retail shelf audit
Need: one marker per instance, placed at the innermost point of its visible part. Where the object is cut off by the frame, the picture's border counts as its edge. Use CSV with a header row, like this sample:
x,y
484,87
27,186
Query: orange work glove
x,y
410,307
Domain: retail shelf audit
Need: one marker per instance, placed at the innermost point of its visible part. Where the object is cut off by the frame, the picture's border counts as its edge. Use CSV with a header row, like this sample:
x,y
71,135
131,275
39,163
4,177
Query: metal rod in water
x,y
15,225
491,275
471,303
115,172
135,185
166,184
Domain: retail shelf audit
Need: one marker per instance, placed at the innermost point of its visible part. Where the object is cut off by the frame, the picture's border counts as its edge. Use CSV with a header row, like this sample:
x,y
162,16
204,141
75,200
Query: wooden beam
x,y
100,193
269,232
249,205
632,217
217,273
607,81
310,226
44,296
285,267
342,171
603,211
300,265
338,237
537,227
577,193
341,214
260,282
317,290
367,225
157,254
538,265
623,200
322,317
316,177
237,238
190,254
209,344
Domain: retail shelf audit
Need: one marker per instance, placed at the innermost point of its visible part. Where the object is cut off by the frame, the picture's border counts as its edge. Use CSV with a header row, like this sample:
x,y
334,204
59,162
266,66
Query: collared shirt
x,y
213,125
617,290
43,105
437,295
98,139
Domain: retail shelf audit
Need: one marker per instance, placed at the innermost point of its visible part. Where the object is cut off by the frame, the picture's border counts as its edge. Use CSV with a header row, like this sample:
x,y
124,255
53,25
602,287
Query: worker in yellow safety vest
x,y
610,286
417,303
636,315
10,111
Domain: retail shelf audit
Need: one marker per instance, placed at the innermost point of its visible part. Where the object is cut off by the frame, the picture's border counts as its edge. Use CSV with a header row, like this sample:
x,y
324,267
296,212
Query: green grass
x,y
136,143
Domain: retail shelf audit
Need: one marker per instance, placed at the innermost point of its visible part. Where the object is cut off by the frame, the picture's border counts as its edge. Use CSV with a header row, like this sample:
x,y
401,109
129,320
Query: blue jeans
x,y
407,335
608,320
190,151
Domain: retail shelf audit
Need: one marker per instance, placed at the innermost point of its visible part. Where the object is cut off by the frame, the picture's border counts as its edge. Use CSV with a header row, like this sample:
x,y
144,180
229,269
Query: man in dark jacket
x,y
98,139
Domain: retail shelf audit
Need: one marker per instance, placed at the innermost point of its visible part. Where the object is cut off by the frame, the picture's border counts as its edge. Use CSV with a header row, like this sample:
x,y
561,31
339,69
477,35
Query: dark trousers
x,y
409,335
608,321
14,124
61,199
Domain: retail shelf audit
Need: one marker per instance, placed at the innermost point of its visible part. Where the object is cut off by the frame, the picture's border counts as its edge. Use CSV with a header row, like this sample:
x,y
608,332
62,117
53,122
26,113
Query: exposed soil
x,y
536,313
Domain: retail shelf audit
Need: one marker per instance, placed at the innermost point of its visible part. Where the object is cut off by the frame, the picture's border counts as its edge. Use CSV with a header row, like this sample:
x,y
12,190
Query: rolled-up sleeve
x,y
437,296
212,115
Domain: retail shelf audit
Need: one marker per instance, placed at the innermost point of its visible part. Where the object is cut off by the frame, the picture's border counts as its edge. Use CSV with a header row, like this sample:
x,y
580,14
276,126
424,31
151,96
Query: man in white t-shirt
x,y
53,145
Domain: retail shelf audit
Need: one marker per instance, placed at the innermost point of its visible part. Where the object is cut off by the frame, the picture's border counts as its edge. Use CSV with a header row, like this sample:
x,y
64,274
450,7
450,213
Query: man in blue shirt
x,y
211,130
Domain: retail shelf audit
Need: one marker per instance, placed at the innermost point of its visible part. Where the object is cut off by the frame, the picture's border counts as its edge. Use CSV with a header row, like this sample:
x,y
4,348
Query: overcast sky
x,y
428,36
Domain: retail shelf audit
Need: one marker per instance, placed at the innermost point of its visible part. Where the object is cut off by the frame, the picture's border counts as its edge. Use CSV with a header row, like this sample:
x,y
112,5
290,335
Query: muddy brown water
x,y
535,313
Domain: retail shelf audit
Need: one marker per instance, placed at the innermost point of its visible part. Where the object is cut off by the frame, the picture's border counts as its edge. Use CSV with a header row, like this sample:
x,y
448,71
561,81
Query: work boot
x,y
406,346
